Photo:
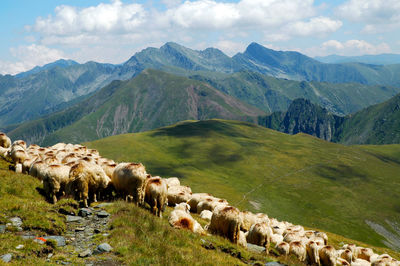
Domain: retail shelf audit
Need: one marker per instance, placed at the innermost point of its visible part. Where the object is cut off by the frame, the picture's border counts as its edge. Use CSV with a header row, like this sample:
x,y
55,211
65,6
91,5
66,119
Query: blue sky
x,y
38,32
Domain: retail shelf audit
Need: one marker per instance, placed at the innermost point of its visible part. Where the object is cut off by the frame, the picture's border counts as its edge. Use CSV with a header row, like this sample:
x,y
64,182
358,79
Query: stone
x,y
71,218
103,214
85,212
49,256
255,248
105,247
65,212
6,258
274,263
25,237
60,240
86,253
16,221
79,229
19,247
2,228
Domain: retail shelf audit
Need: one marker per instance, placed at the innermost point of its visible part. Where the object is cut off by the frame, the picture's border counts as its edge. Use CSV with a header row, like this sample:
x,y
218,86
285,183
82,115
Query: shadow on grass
x,y
340,173
201,129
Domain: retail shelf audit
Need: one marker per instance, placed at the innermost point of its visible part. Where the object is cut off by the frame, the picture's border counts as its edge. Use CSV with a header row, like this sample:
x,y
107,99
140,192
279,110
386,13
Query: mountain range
x,y
49,98
380,59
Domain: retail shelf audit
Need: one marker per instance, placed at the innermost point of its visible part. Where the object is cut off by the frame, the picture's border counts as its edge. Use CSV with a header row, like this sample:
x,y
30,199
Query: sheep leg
x,y
54,198
94,197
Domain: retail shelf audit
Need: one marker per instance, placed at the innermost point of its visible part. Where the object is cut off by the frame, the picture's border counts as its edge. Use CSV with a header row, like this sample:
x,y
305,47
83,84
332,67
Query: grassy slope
x,y
297,178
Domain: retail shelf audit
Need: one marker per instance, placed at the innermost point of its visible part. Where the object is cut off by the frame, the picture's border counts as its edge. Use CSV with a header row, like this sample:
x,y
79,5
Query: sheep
x,y
5,152
342,262
26,165
312,253
19,143
289,237
130,179
38,169
196,199
58,146
178,194
108,168
85,179
353,249
260,234
322,235
345,254
156,194
283,248
298,249
298,229
278,230
172,181
183,206
276,239
206,215
328,256
5,141
18,156
250,218
364,253
242,239
71,157
209,203
181,219
360,262
226,222
55,180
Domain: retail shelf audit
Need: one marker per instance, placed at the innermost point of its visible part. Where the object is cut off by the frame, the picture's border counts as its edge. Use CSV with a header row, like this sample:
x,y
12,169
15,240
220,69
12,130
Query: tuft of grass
x,y
298,178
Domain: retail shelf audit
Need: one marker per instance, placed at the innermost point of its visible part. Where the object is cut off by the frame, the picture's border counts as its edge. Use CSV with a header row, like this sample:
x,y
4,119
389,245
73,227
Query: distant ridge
x,y
380,59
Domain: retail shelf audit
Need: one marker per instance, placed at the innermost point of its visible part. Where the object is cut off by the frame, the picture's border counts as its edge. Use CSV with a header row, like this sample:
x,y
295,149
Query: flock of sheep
x,y
81,173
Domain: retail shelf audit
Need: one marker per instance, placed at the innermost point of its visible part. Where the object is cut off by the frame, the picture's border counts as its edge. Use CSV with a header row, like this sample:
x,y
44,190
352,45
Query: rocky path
x,y
82,243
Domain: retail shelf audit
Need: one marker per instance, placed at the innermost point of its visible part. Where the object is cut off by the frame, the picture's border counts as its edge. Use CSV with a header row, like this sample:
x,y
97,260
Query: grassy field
x,y
298,178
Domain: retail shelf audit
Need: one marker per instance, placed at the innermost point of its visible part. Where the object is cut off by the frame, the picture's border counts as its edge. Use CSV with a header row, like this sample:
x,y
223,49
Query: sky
x,y
34,33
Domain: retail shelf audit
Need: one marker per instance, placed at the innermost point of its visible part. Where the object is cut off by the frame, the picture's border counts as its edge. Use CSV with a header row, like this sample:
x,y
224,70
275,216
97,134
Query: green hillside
x,y
150,100
297,178
377,124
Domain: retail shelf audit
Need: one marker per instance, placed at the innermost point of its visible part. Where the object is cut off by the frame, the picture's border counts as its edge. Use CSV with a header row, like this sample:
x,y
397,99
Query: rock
x,y
104,204
105,247
255,248
85,212
60,240
274,263
97,231
2,228
19,247
6,258
71,218
103,214
79,229
40,240
86,253
16,221
49,256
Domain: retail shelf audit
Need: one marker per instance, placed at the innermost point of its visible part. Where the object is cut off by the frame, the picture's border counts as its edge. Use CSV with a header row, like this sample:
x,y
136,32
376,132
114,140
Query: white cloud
x,y
348,48
27,57
230,47
379,15
315,26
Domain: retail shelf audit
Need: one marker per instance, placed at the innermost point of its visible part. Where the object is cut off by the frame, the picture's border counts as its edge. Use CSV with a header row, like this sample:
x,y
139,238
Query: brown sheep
x,y
129,179
156,194
86,180
5,141
210,203
346,254
55,180
181,219
342,262
226,222
298,249
260,234
242,239
283,248
172,181
328,256
312,253
364,253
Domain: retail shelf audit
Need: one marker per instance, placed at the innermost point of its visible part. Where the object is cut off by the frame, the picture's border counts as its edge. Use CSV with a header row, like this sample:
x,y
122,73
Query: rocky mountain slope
x,y
150,100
